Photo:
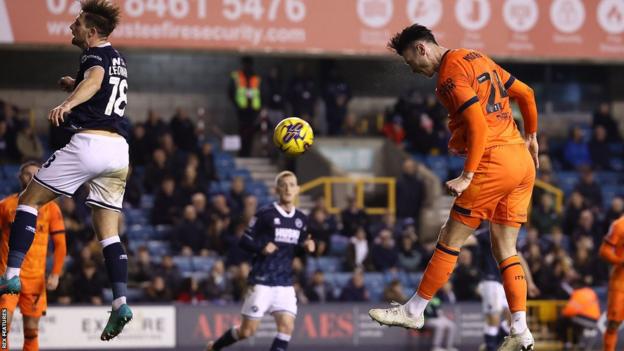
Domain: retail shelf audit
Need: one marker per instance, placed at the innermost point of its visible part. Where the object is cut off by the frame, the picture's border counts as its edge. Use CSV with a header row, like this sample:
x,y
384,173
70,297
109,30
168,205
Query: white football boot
x,y
396,316
518,342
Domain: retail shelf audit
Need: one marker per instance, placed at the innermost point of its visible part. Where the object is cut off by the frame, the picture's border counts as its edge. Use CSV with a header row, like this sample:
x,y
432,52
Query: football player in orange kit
x,y
32,299
612,251
498,176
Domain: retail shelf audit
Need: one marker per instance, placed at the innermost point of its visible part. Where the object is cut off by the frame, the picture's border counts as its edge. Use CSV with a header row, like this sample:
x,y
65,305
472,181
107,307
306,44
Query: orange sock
x,y
610,340
438,270
514,283
31,340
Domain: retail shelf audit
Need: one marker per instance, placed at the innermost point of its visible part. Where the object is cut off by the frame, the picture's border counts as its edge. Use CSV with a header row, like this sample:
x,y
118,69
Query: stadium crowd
x,y
171,187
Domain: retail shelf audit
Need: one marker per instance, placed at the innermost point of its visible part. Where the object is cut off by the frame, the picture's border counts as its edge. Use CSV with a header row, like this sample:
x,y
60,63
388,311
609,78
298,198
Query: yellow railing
x,y
558,193
329,182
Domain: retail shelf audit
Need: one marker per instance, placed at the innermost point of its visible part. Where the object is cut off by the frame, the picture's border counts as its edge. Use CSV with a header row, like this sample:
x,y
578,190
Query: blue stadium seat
x,y
162,232
158,248
202,263
147,201
567,180
258,189
338,245
337,281
134,245
136,216
184,263
375,284
438,165
325,264
609,192
140,232
608,178
241,172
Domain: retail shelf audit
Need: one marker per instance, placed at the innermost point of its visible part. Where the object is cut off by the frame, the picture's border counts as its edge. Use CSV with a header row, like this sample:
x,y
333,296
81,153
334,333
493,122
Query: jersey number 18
x,y
120,87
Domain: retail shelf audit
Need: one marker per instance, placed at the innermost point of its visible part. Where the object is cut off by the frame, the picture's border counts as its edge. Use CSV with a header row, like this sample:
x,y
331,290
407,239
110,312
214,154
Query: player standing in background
x,y
498,176
97,154
273,236
32,299
612,251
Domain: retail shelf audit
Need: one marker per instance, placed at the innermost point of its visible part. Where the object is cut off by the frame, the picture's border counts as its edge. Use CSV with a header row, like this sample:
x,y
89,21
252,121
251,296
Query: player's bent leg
x,y
504,237
23,233
452,236
610,336
285,323
247,329
106,224
31,333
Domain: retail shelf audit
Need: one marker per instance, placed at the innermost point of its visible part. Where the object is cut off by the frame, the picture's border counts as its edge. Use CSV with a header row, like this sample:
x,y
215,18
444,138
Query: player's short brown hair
x,y
282,175
415,32
101,15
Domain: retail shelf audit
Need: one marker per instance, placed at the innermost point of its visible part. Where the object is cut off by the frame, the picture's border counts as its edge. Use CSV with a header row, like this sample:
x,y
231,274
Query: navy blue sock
x,y
227,339
22,235
491,342
280,343
116,262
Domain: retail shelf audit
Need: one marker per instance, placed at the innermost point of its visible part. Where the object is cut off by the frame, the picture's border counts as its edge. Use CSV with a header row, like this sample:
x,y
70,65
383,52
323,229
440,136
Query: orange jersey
x,y
466,77
49,222
612,251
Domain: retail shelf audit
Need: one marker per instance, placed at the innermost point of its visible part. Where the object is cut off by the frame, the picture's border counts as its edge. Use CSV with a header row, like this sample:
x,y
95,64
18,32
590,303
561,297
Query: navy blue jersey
x,y
286,230
105,109
489,267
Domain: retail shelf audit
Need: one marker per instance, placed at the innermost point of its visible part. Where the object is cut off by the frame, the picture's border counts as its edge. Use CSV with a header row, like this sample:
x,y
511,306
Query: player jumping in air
x,y
32,299
498,176
274,235
96,155
612,251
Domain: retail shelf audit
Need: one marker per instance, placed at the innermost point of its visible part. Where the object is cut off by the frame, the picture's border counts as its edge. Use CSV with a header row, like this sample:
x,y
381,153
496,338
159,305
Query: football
x,y
293,136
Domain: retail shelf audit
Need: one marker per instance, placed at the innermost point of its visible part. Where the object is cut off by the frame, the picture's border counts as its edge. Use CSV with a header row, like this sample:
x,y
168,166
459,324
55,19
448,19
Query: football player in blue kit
x,y
274,235
97,155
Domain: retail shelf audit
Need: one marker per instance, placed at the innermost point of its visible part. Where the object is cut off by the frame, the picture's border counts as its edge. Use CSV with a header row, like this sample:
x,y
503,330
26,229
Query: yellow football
x,y
293,136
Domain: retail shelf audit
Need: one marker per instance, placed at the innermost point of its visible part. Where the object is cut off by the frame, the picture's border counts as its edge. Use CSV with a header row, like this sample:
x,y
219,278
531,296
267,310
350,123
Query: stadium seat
x,y
567,181
158,248
140,232
439,166
162,232
147,201
136,216
324,264
338,245
184,263
202,263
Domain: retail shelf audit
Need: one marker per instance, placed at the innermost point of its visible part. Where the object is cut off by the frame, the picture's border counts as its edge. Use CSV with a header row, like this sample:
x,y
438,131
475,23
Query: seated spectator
x,y
217,287
358,253
141,268
88,285
183,130
576,151
586,265
213,237
188,235
175,156
602,117
409,256
410,192
29,145
616,210
576,205
236,196
200,203
5,157
384,253
169,271
544,217
235,255
393,292
156,171
587,227
599,150
466,277
154,129
166,210
320,230
590,189
388,222
157,291
139,146
219,206
319,290
134,189
353,217
207,167
250,207
189,185
355,291
189,292
441,325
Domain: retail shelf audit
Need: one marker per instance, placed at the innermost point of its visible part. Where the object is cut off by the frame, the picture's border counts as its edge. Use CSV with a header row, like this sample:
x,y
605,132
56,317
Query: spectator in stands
x,y
236,196
616,210
183,130
29,145
320,230
189,185
353,126
586,226
409,256
394,131
384,254
4,144
441,325
141,268
245,94
189,292
14,124
139,146
175,156
216,287
200,203
235,255
576,204
158,291
275,95
602,117
156,171
358,253
188,235
78,233
303,93
166,210
154,129
466,277
239,281
220,207
134,189
336,94
585,264
599,149
590,189
393,292
168,271
62,295
319,290
544,217
88,285
355,291
576,151
410,193
207,168
213,237
353,217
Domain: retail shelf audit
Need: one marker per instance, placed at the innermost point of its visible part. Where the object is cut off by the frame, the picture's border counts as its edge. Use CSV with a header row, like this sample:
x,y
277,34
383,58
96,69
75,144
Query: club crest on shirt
x,y
298,223
277,221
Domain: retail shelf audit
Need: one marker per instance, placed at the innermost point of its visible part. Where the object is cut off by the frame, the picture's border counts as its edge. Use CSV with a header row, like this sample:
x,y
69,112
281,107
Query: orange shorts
x,y
615,305
31,305
500,190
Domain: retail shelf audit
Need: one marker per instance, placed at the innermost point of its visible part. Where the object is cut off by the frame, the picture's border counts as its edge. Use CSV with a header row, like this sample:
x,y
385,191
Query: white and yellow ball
x,y
293,136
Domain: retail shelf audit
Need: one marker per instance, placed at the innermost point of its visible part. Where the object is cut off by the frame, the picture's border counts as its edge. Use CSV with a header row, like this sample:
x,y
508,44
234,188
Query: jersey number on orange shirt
x,y
493,104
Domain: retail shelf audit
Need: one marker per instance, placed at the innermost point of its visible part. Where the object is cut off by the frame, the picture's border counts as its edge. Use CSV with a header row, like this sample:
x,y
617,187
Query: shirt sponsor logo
x,y
86,57
288,236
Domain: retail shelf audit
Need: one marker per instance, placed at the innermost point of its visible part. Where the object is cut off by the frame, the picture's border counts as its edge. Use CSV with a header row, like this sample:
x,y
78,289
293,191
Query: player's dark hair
x,y
101,14
415,32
